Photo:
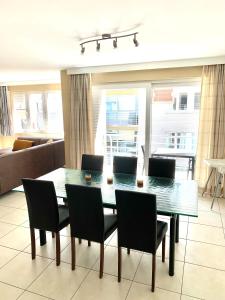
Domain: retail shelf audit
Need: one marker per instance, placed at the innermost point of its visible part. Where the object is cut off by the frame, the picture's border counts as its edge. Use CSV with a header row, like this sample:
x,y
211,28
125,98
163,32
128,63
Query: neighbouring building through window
x,y
39,112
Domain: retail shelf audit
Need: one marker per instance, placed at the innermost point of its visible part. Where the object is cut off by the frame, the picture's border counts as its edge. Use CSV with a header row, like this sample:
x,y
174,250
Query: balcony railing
x,y
127,145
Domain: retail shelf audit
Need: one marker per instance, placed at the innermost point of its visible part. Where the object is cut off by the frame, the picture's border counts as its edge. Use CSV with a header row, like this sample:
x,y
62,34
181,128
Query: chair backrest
x,y
125,164
161,167
86,212
136,220
92,162
42,204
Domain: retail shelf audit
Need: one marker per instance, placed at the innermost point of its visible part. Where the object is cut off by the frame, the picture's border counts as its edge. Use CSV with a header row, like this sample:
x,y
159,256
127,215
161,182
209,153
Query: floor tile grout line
x,y
208,225
18,225
8,232
14,286
157,255
221,217
39,275
85,277
19,252
200,242
12,207
133,276
34,294
185,250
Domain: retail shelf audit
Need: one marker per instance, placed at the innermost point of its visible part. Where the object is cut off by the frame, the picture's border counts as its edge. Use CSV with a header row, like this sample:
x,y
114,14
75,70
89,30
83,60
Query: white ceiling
x,y
38,38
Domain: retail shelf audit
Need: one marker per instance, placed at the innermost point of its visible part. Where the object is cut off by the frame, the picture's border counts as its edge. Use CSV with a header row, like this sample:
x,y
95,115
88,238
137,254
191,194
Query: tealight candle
x,y
87,177
109,179
140,182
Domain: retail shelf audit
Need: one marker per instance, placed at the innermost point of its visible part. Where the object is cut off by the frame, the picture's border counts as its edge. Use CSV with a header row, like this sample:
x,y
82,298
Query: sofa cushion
x,y
21,144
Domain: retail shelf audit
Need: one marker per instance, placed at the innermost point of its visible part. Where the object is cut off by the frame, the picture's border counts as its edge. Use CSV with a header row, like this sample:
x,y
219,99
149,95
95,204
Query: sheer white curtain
x,y
99,121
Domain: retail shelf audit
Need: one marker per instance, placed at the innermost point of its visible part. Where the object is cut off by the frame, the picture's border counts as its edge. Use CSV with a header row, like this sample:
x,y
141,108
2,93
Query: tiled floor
x,y
199,269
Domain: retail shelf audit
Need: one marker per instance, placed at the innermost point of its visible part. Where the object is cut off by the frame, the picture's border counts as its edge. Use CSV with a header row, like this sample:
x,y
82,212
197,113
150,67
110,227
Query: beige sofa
x,y
32,162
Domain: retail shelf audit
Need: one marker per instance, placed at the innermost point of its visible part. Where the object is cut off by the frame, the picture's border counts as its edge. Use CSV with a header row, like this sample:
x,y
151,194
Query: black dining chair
x,y
125,164
87,220
92,162
138,227
161,167
164,167
44,211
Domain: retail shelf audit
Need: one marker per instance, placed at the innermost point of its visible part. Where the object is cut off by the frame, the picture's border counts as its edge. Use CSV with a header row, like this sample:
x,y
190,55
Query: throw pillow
x,y
21,144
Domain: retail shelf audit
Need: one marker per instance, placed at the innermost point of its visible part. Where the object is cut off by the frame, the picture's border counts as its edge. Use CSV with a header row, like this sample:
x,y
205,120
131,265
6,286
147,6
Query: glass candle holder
x,y
140,182
109,179
87,177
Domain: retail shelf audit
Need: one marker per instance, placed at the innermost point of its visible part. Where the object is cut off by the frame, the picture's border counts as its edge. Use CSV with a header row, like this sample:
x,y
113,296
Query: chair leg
x,y
153,271
177,228
57,249
89,243
80,241
101,260
33,246
73,253
53,235
163,248
119,263
128,251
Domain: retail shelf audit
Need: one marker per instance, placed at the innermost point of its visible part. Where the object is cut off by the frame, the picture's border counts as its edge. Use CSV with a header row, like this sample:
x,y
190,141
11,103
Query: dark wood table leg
x,y
177,228
42,237
172,244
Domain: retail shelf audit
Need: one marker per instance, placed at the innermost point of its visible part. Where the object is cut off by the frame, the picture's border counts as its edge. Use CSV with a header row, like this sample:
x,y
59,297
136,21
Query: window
x,y
158,117
197,101
183,102
38,112
175,120
180,140
119,124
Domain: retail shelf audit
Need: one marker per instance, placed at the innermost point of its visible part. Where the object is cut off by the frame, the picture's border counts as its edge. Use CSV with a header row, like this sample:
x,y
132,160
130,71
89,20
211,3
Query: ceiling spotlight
x,y
108,36
82,49
115,43
135,41
98,46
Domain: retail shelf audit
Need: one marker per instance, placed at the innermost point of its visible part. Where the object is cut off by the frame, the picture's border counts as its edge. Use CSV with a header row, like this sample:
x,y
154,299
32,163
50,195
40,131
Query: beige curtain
x,y
77,112
211,140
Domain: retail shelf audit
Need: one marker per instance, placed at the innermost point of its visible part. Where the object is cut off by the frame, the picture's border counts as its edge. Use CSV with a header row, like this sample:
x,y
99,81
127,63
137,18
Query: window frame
x,y
44,97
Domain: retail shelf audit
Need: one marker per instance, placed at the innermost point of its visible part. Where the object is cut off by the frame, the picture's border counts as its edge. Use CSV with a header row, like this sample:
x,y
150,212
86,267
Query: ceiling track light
x,y
82,49
108,36
135,41
115,43
98,46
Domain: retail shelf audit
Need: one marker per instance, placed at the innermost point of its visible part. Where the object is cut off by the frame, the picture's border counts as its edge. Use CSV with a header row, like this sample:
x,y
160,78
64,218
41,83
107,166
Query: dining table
x,y
174,197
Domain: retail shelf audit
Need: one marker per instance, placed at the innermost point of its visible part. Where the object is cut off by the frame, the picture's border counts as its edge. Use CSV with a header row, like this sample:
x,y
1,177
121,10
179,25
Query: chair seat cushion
x,y
161,231
110,224
63,216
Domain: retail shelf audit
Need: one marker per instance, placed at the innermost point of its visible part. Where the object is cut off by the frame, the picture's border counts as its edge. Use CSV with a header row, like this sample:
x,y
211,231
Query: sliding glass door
x,y
174,119
144,119
119,122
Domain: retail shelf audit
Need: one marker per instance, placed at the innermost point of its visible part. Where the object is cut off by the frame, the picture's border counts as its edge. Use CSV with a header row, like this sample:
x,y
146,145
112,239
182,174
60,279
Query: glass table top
x,y
173,196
